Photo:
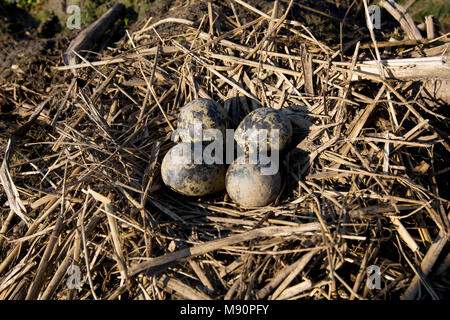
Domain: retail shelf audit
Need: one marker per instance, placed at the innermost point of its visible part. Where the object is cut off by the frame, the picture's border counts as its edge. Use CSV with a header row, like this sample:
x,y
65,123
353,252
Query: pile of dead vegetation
x,y
365,185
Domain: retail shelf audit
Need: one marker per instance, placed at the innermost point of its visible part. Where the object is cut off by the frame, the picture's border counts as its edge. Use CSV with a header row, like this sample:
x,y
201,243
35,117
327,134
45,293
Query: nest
x,y
363,209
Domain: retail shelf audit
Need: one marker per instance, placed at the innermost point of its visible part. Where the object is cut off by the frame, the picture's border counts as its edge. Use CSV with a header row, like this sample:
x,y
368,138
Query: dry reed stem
x,y
364,175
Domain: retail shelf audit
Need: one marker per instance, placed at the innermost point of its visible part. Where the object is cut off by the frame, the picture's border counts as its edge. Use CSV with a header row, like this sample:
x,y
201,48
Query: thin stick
x,y
233,84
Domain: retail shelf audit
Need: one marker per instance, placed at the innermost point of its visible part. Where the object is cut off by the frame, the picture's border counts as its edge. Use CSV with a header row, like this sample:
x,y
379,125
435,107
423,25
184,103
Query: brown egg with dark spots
x,y
204,112
264,129
180,172
252,185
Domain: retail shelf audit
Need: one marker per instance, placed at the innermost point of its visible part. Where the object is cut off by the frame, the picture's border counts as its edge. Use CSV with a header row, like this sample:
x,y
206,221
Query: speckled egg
x,y
264,120
180,172
205,114
249,185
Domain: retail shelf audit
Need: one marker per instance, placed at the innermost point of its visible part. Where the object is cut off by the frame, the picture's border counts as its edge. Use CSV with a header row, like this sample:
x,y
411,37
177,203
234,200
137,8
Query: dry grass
x,y
361,184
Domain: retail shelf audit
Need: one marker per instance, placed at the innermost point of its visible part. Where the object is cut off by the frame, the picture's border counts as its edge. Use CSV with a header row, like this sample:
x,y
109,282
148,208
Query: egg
x,y
181,172
252,184
266,121
197,116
